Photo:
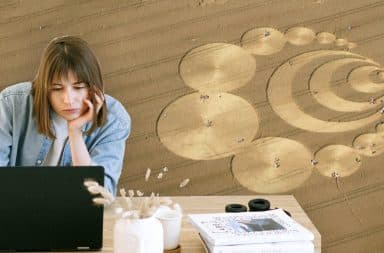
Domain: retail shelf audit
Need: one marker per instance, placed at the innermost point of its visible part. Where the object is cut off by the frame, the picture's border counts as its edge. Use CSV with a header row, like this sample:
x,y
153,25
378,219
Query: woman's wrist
x,y
75,132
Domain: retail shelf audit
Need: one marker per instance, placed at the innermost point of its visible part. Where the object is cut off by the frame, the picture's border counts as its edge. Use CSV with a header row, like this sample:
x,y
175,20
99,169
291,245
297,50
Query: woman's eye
x,y
80,87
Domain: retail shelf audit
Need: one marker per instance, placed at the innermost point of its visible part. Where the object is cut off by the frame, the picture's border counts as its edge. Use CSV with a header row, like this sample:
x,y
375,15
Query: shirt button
x,y
38,161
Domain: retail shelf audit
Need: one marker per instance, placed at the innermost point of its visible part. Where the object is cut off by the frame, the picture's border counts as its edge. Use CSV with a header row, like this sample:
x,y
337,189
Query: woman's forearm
x,y
79,151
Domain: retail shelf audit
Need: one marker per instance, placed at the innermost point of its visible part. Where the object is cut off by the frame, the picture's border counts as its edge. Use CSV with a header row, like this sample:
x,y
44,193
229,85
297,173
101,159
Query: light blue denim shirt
x,y
22,145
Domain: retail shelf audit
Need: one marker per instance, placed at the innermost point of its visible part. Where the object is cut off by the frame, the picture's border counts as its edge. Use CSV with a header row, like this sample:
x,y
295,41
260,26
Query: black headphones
x,y
254,205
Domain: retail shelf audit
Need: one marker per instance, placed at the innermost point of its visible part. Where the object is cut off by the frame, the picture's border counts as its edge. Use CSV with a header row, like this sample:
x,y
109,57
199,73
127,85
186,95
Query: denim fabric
x,y
22,145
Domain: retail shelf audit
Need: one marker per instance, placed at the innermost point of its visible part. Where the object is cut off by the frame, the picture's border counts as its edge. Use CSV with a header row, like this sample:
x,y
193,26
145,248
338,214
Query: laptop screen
x,y
49,208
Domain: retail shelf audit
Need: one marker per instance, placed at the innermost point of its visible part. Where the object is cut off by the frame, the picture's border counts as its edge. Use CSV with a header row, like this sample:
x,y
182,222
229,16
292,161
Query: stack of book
x,y
267,232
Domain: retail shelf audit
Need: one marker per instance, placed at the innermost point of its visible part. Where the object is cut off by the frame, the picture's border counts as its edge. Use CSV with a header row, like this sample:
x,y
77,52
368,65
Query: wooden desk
x,y
190,242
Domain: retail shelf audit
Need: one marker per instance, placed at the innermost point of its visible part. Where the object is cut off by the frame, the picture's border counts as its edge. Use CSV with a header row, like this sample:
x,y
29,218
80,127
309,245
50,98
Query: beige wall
x,y
140,45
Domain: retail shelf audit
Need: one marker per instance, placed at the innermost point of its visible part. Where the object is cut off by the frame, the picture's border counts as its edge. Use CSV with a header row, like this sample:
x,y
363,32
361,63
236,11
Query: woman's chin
x,y
69,117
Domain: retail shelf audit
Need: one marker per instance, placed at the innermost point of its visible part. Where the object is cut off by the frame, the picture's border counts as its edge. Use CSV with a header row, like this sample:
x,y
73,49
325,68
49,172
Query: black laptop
x,y
49,209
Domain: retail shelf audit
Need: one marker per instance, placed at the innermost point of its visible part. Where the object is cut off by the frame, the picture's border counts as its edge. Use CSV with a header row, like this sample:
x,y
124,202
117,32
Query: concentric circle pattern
x,y
325,38
263,41
341,42
212,124
371,144
360,79
337,160
300,36
217,67
272,165
321,82
202,127
283,103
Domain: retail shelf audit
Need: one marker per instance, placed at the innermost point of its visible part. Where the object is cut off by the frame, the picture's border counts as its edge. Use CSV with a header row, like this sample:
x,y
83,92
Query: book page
x,y
249,227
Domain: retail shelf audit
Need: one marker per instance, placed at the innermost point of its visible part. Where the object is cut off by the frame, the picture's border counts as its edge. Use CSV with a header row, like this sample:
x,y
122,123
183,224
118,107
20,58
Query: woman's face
x,y
66,96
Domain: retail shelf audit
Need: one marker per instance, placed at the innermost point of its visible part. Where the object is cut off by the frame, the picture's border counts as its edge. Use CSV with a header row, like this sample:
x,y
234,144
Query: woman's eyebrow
x,y
78,82
74,83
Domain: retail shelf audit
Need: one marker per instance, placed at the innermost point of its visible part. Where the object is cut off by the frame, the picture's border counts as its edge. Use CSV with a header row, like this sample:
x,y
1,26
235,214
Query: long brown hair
x,y
61,56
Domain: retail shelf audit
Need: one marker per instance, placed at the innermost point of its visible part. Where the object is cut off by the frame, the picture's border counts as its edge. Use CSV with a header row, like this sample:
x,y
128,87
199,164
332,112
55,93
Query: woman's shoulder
x,y
116,111
19,89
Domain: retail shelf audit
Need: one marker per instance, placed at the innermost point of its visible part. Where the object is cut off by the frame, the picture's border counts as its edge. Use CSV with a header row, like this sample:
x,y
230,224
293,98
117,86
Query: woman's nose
x,y
68,96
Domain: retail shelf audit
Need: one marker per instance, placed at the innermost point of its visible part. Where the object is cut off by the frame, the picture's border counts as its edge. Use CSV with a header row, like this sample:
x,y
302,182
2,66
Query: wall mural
x,y
212,123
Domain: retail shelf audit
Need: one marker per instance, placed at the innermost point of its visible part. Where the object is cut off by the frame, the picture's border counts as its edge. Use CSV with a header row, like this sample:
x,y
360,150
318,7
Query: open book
x,y
249,228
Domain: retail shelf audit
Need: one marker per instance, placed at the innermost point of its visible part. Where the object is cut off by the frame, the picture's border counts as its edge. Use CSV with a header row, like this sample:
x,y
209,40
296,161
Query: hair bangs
x,y
61,66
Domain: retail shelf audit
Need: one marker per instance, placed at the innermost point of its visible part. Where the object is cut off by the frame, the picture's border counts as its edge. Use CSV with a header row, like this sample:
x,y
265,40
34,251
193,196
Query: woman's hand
x,y
77,124
79,151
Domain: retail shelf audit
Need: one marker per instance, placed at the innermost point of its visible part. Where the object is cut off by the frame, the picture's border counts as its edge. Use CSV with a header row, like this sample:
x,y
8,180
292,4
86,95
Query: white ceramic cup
x,y
171,221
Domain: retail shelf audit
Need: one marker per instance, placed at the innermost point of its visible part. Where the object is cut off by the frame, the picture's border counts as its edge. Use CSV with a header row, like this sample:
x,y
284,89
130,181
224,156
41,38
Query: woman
x,y
63,117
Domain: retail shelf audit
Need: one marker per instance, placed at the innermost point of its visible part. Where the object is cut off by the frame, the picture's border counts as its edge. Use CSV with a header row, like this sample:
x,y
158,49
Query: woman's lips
x,y
71,111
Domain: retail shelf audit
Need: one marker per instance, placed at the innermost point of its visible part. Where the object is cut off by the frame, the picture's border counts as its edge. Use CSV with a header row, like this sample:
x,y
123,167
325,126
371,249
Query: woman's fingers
x,y
99,102
89,104
89,113
78,123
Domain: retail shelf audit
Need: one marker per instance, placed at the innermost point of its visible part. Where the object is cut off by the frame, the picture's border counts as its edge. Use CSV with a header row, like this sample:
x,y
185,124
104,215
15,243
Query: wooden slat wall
x,y
140,44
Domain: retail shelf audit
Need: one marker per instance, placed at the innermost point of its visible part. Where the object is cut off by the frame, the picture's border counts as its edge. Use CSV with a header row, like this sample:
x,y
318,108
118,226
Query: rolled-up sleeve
x,y
110,149
5,131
